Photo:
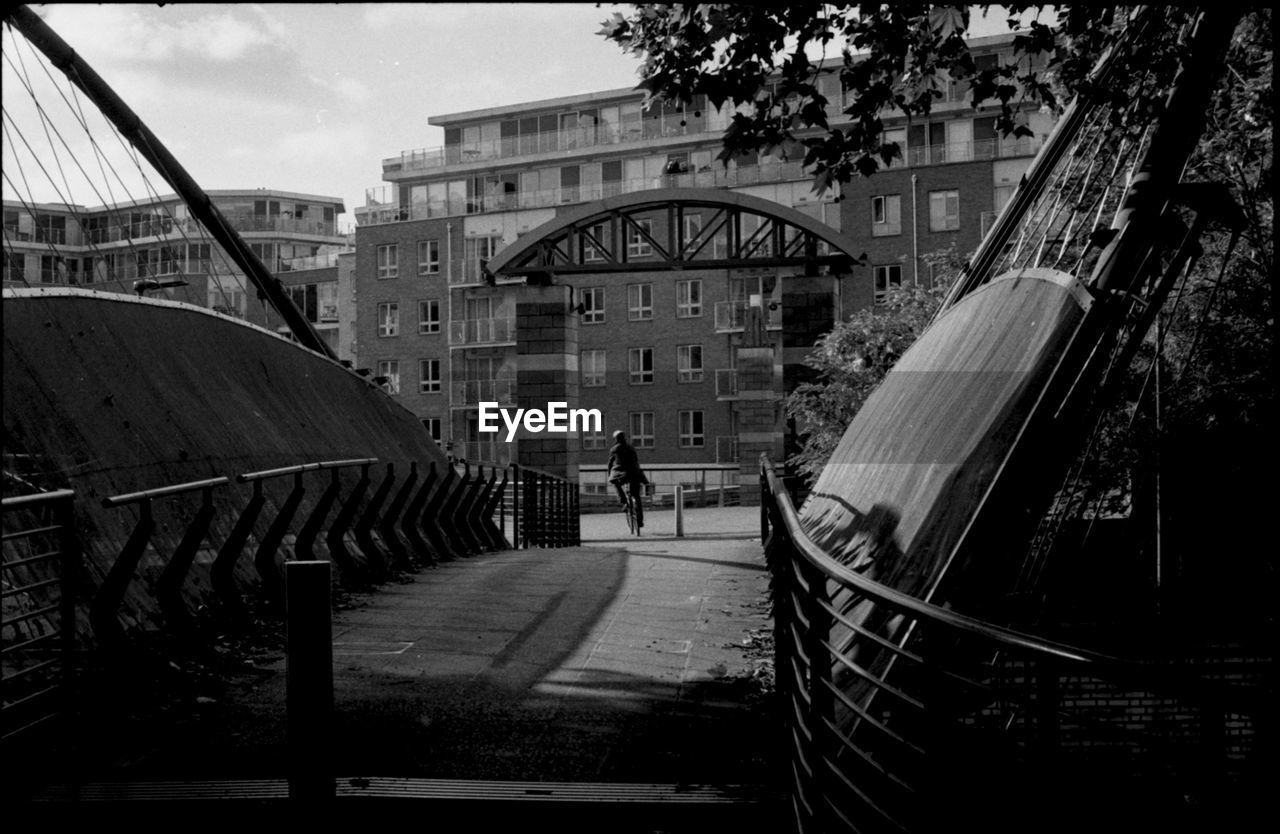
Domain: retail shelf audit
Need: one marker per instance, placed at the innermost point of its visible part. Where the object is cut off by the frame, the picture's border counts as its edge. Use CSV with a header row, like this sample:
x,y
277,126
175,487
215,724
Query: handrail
x,y
163,492
905,603
302,467
36,498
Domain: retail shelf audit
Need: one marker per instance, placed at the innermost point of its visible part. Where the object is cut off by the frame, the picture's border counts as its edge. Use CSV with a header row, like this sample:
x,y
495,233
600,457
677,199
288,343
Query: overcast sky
x,y
311,98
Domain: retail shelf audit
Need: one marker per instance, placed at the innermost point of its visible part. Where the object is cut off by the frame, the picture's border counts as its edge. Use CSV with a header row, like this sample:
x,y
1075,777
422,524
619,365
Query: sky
x,y
311,97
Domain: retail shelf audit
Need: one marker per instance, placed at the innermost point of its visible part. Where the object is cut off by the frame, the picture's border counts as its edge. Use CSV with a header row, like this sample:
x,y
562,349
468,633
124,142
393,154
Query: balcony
x,y
473,332
727,449
465,272
427,159
469,393
970,151
726,383
731,316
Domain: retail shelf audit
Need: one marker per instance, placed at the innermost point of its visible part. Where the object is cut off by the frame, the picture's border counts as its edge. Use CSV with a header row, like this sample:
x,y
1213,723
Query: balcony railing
x,y
424,159
732,315
726,383
468,393
482,331
383,202
727,449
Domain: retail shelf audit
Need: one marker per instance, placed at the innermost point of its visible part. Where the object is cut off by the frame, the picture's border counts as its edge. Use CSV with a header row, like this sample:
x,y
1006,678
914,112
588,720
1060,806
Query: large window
x,y
886,276
639,302
944,211
428,257
327,298
388,260
592,367
593,305
590,252
642,429
691,433
886,215
389,371
432,425
15,266
429,376
640,365
389,319
689,363
429,316
637,245
689,298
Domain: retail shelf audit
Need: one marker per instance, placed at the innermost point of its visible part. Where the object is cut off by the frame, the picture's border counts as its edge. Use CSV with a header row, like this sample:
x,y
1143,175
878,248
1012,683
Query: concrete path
x,y
623,660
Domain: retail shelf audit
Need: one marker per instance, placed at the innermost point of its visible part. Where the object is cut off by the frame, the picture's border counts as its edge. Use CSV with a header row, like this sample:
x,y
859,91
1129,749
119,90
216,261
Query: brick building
x,y
661,339
111,248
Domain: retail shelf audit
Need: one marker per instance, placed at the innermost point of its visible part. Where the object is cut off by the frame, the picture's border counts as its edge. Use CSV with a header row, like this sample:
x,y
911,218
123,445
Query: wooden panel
x,y
919,456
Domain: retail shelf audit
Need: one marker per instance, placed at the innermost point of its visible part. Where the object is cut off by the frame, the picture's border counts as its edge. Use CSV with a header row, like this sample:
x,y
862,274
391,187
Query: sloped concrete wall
x,y
110,394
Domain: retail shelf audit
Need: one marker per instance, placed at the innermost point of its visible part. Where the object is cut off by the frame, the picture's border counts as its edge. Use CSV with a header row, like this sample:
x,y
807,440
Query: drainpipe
x,y
915,237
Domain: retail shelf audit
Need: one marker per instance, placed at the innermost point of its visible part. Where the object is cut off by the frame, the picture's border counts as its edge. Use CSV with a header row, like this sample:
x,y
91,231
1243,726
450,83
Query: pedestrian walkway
x,y
624,660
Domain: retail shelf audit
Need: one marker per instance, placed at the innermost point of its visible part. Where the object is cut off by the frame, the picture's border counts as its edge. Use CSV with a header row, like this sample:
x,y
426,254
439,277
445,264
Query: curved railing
x,y
904,716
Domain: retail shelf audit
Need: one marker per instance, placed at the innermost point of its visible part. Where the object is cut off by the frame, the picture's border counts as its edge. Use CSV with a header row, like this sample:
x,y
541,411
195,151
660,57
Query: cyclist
x,y
624,468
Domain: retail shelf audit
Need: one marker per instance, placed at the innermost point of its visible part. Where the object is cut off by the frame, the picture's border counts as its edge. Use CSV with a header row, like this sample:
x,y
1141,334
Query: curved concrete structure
x,y
110,394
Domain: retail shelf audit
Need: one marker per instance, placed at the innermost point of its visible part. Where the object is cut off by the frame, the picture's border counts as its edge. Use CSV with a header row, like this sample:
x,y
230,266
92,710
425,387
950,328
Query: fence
x,y
901,715
37,612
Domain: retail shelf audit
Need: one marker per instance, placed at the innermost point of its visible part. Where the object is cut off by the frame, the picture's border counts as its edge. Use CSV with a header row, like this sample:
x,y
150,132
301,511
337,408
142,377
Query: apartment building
x,y
158,242
658,342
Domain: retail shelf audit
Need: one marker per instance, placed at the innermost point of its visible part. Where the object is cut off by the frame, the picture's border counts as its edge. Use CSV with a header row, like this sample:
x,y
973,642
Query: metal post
x,y
309,680
679,502
515,506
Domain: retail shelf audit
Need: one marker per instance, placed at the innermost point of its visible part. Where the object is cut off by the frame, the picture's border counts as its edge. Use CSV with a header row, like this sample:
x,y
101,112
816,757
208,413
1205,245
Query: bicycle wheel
x,y
631,516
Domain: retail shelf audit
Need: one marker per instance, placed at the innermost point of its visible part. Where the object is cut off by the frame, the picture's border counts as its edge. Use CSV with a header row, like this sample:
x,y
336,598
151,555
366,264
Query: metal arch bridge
x,y
742,231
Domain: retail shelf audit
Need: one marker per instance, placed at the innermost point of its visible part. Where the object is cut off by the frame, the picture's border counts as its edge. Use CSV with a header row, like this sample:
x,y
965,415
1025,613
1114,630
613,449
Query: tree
x,y
756,59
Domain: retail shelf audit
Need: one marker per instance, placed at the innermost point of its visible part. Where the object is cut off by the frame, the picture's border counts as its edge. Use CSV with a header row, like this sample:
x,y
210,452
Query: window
x,y
637,245
692,228
389,370
642,429
689,363
389,319
640,365
428,257
639,302
595,438
591,252
388,260
15,266
479,250
944,211
886,276
593,305
429,376
691,434
429,316
592,367
689,298
886,215
432,425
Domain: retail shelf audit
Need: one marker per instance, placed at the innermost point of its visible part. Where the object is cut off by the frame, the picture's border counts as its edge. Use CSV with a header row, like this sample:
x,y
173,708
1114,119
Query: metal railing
x,y
482,331
37,614
726,383
467,393
904,716
545,510
732,315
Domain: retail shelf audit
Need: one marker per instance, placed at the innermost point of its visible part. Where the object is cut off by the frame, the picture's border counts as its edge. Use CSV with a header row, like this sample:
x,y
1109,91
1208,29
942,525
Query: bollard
x,y
679,502
309,680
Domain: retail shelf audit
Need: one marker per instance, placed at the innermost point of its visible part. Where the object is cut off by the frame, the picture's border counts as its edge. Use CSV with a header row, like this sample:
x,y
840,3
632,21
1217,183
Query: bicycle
x,y
631,515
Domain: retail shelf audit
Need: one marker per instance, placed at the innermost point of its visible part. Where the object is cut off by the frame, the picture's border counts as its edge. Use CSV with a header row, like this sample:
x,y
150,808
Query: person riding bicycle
x,y
624,468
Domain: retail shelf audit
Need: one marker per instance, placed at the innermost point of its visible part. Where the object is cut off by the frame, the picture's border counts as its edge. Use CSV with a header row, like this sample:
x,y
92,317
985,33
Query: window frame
x,y
686,307
946,195
425,383
878,293
388,319
431,265
388,261
389,368
640,311
428,325
686,373
637,355
637,246
640,439
596,377
696,436
592,314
